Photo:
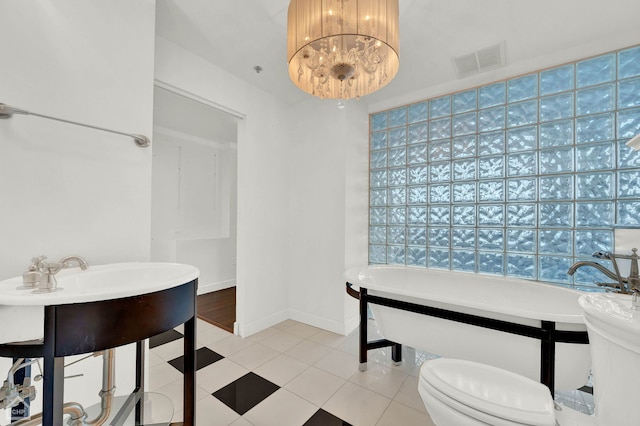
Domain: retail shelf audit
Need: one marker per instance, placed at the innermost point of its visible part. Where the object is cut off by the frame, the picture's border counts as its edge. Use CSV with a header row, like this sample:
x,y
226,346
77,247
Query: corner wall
x,y
328,210
262,249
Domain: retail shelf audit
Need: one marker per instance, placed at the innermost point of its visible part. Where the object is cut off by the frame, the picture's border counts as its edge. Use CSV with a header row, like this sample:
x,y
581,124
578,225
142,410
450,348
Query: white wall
x,y
64,189
262,248
356,238
618,38
325,141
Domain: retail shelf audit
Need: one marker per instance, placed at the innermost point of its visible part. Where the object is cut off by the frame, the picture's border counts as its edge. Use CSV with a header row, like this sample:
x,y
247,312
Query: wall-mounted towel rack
x,y
7,111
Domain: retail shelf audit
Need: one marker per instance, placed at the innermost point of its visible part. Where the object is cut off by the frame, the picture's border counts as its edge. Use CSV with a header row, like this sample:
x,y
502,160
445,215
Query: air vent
x,y
480,61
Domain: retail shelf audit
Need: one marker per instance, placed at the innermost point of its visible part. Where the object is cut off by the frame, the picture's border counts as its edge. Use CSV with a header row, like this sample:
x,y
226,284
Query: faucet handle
x,y
36,260
615,286
635,299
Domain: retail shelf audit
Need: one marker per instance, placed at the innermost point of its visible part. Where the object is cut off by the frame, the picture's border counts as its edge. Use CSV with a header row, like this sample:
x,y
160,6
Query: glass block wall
x,y
520,178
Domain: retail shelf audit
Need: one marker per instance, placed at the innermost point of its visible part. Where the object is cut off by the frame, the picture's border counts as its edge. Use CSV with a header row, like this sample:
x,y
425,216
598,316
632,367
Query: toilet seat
x,y
488,393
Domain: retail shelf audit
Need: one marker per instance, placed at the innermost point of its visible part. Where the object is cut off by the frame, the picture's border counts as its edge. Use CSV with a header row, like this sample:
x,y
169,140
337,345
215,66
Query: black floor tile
x,y
323,418
166,337
204,357
246,392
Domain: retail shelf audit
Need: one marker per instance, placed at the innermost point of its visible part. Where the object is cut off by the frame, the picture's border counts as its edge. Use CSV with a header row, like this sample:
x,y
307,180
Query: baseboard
x,y
246,330
220,285
337,327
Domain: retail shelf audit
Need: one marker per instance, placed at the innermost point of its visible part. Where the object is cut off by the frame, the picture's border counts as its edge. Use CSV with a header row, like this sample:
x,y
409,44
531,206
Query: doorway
x,y
194,188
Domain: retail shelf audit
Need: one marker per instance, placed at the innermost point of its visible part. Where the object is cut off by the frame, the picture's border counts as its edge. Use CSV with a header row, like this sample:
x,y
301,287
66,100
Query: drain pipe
x,y
108,388
76,411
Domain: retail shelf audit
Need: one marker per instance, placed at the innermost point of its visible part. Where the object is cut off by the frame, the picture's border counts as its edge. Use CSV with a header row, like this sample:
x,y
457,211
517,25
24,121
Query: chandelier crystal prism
x,y
342,49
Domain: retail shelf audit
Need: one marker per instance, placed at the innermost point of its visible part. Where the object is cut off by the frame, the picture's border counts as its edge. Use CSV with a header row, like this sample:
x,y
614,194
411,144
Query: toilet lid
x,y
491,390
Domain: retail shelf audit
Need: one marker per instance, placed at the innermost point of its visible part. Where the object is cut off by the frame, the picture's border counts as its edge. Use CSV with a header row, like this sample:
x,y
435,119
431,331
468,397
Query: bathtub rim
x,y
351,275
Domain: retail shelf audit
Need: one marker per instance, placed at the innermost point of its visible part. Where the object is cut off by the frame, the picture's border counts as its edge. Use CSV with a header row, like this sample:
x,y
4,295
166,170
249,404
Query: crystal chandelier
x,y
342,49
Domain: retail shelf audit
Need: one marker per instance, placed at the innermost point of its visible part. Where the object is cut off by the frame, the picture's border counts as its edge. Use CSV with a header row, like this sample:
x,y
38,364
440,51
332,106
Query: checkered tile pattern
x,y
291,374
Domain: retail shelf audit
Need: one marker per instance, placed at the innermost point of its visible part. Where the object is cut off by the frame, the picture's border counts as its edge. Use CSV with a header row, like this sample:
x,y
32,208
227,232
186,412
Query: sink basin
x,y
100,282
613,314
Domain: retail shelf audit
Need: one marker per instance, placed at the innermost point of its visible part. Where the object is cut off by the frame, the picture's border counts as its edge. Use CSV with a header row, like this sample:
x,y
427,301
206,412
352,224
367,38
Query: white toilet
x,y
464,393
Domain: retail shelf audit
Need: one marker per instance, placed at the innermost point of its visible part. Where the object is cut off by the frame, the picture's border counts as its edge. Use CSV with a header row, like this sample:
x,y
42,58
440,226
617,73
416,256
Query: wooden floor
x,y
218,308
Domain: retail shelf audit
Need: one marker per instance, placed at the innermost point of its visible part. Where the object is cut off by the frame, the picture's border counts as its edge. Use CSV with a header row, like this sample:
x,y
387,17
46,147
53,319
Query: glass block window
x,y
518,178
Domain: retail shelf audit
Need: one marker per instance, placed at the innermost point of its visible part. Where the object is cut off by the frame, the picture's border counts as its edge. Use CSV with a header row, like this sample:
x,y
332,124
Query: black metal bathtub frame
x,y
546,333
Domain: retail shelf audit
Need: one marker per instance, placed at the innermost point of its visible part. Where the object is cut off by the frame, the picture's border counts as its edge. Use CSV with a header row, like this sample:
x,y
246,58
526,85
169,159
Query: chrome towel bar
x,y
7,111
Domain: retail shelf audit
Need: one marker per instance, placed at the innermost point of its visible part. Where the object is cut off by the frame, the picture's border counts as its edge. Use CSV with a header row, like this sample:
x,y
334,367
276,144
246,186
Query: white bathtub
x,y
507,299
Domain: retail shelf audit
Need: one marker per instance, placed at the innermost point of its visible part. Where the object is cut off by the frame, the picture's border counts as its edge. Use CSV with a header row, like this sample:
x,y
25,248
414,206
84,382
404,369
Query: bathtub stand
x,y
546,333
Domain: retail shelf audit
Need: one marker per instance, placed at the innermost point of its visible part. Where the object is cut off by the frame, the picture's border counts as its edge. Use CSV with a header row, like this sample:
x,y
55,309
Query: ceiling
x,y
237,35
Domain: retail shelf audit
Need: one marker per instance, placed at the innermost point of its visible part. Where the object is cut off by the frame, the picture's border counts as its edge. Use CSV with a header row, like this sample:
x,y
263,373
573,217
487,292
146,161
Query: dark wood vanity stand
x,y
79,328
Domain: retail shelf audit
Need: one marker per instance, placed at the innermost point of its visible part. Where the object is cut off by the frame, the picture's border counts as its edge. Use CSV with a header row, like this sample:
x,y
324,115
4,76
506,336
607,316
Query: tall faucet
x,y
41,272
624,285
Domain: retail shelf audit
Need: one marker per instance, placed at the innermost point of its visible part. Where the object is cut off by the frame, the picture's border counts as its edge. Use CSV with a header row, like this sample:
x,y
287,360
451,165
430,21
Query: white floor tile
x,y
170,350
211,412
219,374
339,363
154,359
350,345
356,405
328,338
229,345
303,330
161,375
175,392
253,356
409,396
315,385
261,335
308,351
242,422
281,369
207,333
282,408
281,341
380,379
398,414
285,324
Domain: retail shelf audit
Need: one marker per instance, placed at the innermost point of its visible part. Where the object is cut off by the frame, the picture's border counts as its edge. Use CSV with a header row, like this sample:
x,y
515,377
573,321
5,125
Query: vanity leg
x,y
53,391
53,382
189,371
140,360
363,329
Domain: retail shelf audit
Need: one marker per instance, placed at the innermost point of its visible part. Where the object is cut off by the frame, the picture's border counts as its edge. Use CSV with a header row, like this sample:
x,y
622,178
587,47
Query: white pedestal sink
x,y
103,307
614,335
22,313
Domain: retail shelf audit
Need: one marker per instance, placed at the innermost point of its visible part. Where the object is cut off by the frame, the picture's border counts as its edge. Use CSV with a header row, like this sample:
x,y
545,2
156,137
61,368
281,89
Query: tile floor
x,y
293,374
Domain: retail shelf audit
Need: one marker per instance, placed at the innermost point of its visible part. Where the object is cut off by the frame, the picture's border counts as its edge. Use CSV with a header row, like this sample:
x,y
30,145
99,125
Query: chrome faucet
x,y
82,264
41,273
624,285
634,279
